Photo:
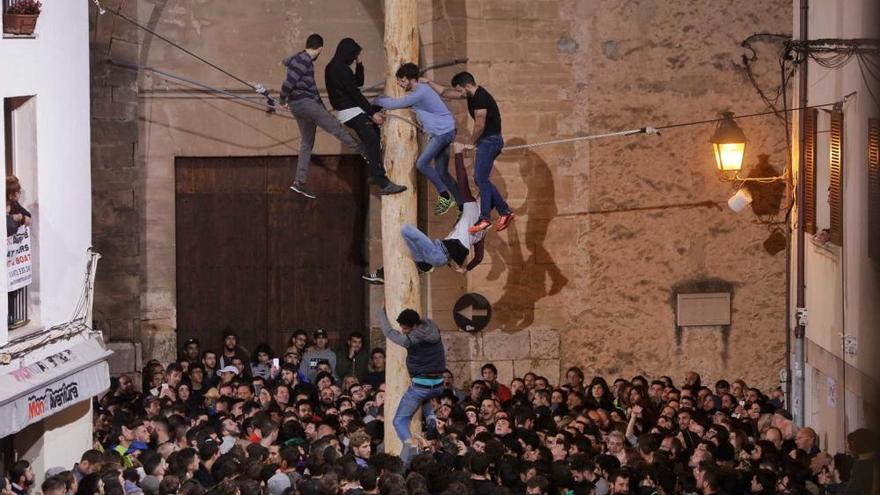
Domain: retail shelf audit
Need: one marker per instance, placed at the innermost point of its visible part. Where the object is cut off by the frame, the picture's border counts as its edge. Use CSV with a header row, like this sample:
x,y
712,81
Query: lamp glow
x,y
729,145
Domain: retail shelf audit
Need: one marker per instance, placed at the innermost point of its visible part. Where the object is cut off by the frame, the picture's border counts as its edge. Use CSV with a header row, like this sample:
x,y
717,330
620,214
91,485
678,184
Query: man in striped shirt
x,y
300,93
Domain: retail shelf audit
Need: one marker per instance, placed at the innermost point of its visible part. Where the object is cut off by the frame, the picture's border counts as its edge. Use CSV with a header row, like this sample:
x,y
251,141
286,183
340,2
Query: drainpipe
x,y
799,394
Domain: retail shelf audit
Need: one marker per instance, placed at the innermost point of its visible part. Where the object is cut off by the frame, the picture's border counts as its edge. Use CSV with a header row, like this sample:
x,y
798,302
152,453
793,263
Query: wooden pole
x,y
401,151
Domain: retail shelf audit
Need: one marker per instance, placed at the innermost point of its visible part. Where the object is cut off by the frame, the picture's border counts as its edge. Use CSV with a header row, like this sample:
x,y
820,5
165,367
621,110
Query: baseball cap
x,y
228,369
291,350
320,333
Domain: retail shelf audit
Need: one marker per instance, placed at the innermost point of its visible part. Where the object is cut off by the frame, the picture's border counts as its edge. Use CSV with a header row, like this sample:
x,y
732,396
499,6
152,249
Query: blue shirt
x,y
434,117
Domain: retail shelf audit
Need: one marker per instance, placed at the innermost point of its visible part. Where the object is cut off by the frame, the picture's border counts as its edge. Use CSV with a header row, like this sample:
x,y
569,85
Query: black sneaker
x,y
391,188
375,278
301,188
424,267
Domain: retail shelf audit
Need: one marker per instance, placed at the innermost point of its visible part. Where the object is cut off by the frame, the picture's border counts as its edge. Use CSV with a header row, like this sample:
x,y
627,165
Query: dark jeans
x,y
487,149
367,131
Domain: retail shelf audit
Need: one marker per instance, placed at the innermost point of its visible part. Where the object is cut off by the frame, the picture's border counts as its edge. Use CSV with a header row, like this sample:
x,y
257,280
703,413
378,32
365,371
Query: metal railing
x,y
18,308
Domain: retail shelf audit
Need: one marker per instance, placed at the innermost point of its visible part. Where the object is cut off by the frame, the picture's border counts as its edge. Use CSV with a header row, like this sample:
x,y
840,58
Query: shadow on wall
x,y
526,280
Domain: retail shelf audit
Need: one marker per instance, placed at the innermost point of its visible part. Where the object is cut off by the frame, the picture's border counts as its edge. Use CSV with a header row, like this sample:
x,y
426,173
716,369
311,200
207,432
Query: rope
x,y
643,130
102,10
654,130
629,132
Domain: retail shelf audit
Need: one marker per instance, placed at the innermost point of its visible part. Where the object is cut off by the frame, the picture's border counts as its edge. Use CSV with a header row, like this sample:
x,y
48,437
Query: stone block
x,y
124,94
124,51
113,156
456,346
461,372
548,368
544,343
505,345
499,9
505,370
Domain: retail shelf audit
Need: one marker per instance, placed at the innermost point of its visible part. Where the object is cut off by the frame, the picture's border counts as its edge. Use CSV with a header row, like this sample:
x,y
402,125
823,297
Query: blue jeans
x,y
411,401
422,247
437,152
487,149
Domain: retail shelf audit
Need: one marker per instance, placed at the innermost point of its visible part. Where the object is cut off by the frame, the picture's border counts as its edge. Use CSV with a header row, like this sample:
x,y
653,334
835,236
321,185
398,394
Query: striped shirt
x,y
300,81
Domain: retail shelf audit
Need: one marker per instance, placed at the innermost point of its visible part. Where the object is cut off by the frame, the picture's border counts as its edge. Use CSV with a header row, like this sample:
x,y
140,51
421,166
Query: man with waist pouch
x,y
425,362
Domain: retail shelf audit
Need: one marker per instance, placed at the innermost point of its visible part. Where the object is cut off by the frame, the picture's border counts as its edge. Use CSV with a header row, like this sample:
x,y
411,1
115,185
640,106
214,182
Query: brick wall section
x,y
116,174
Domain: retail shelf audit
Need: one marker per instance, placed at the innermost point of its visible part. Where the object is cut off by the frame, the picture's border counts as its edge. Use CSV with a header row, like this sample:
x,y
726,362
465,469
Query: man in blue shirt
x,y
437,121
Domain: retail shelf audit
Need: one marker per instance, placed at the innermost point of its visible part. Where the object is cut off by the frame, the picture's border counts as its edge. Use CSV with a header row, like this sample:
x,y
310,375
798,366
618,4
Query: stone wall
x,y
117,199
585,275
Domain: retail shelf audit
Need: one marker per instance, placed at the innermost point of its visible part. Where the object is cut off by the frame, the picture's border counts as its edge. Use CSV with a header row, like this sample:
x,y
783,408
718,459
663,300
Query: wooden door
x,y
257,258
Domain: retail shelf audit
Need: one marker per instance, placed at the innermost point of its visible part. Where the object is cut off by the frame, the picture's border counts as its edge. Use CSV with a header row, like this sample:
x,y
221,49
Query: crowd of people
x,y
312,422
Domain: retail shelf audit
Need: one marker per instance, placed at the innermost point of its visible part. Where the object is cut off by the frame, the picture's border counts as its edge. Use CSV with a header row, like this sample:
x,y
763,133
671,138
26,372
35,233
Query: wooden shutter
x,y
874,189
808,216
835,162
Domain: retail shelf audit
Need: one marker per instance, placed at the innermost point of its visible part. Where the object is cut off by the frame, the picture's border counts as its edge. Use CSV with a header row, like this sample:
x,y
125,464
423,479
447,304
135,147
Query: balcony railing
x,y
18,308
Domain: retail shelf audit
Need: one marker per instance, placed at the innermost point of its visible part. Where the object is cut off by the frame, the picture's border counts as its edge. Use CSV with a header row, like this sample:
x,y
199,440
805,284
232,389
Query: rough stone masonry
x,y
579,278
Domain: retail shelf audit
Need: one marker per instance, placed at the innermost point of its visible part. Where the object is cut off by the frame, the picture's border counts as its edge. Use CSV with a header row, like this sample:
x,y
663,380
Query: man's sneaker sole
x,y
504,222
391,189
297,189
483,225
373,280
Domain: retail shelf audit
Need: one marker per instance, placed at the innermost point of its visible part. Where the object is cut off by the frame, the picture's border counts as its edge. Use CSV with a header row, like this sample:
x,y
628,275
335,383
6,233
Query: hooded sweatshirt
x,y
343,84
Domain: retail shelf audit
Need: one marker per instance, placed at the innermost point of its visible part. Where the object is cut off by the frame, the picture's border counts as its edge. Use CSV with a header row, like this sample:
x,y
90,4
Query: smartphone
x,y
275,362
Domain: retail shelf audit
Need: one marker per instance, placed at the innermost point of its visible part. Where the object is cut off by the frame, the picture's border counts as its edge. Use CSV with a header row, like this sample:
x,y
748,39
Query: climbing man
x,y
486,137
300,94
455,248
354,110
425,362
437,121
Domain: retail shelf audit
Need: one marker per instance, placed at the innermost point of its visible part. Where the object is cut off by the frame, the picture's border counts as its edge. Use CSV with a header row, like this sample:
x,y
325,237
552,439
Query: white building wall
x,y
842,283
55,68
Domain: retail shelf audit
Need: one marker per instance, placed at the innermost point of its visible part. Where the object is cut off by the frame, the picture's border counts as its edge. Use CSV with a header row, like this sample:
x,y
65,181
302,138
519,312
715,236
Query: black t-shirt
x,y
482,100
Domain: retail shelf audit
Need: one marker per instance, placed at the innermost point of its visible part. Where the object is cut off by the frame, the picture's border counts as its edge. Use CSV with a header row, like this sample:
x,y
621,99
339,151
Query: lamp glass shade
x,y
729,156
729,145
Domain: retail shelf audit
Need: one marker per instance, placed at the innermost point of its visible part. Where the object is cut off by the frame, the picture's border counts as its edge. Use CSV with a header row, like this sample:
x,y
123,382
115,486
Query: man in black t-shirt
x,y
486,138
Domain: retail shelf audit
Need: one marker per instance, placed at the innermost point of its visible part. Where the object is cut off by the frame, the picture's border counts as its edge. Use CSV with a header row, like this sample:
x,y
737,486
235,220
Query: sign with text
x,y
472,312
18,259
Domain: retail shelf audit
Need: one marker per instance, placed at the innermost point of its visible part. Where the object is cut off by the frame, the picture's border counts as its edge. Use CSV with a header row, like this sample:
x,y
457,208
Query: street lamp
x,y
729,145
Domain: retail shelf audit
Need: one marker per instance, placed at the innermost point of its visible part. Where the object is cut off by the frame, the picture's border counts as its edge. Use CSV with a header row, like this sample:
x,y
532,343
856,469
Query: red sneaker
x,y
504,221
481,225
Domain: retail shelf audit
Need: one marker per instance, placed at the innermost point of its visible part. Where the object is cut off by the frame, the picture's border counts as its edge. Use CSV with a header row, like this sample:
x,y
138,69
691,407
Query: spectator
x,y
319,353
231,350
21,476
376,373
280,435
490,376
16,215
261,361
353,360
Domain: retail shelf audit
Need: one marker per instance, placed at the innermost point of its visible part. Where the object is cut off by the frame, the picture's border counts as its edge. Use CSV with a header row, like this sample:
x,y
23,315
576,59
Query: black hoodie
x,y
343,85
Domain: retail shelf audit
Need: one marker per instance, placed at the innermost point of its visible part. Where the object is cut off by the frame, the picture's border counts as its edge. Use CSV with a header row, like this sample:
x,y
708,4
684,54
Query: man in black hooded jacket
x,y
353,110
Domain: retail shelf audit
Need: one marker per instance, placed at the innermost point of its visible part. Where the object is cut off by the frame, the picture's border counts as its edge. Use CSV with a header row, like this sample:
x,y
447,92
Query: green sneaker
x,y
443,205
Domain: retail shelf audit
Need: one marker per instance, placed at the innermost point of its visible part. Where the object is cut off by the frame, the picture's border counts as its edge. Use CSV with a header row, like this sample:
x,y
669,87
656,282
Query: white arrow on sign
x,y
469,312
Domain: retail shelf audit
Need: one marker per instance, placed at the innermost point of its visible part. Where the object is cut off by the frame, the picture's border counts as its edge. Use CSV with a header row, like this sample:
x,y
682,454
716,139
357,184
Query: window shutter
x,y
808,216
874,189
835,196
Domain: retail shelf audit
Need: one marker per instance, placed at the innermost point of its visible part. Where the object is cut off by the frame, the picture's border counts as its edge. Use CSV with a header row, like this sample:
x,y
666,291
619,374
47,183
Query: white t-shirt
x,y
344,116
469,216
